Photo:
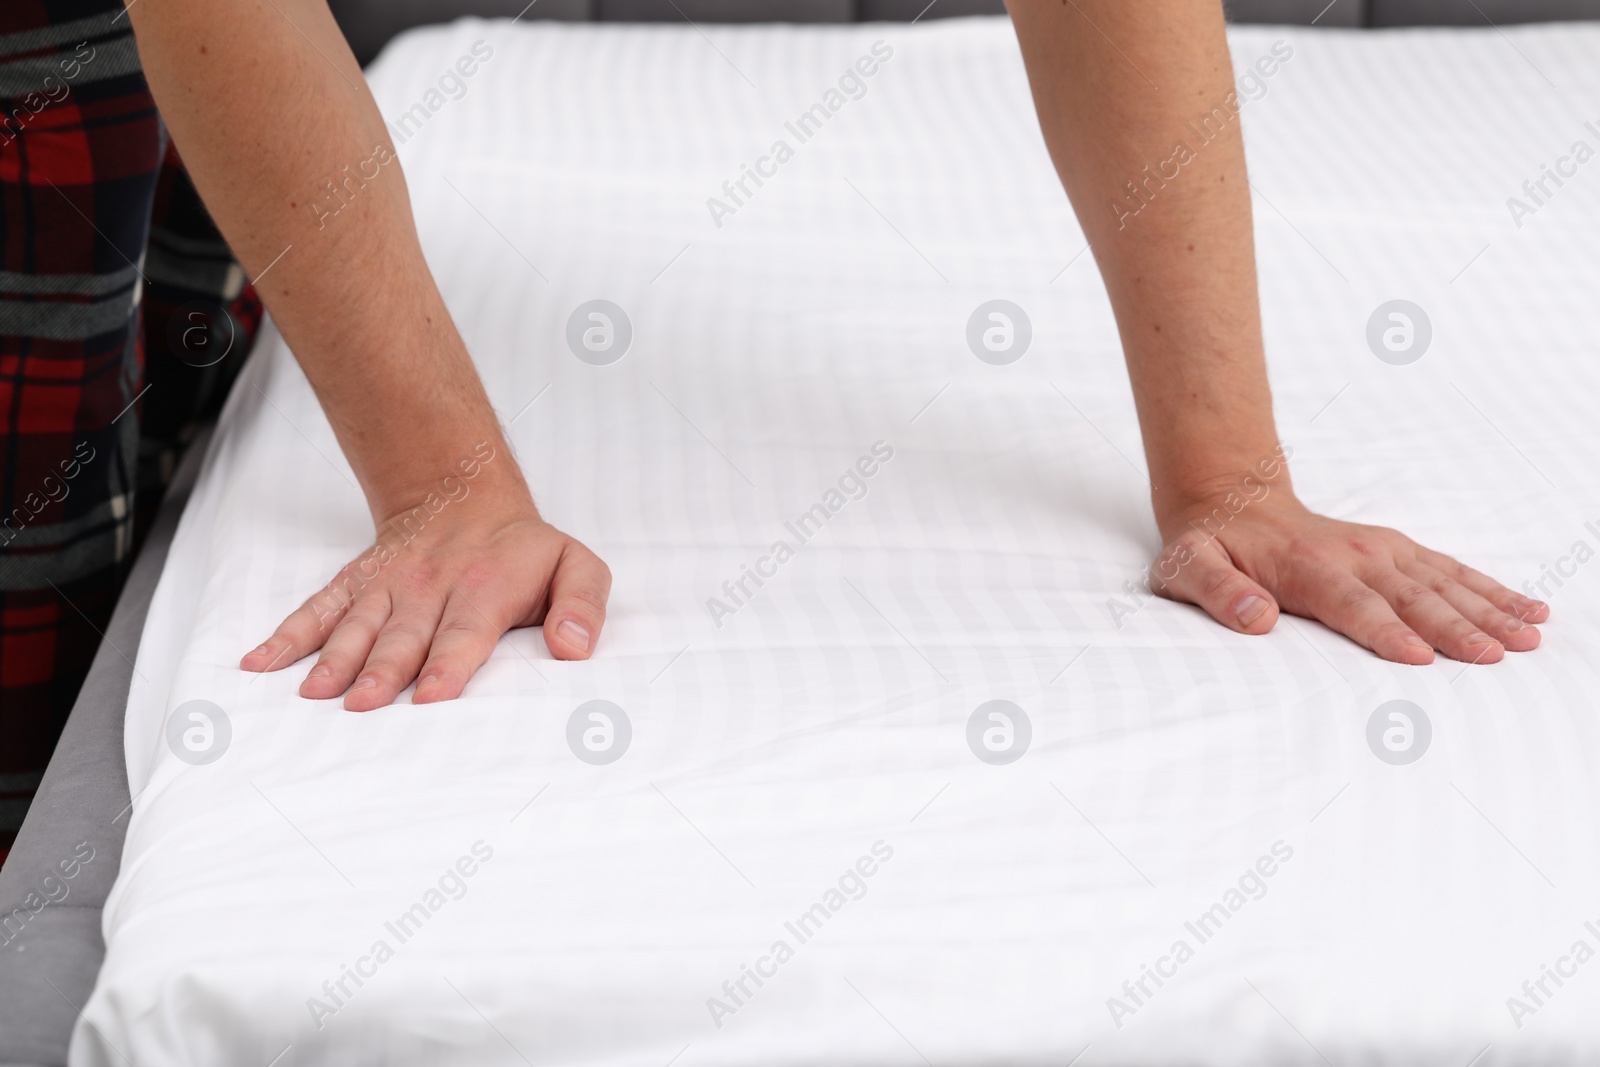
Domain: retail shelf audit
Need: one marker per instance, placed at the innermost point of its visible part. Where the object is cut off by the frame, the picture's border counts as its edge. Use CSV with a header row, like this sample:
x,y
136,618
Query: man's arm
x,y
266,104
1116,85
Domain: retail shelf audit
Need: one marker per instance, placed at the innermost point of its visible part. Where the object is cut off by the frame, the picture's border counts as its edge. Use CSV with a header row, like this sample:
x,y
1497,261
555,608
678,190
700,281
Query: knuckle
x,y
1356,597
344,584
1411,594
323,605
1362,545
356,625
301,626
333,659
1447,587
421,577
460,626
584,601
1176,557
1217,584
1395,633
1307,550
476,573
367,611
1190,542
407,631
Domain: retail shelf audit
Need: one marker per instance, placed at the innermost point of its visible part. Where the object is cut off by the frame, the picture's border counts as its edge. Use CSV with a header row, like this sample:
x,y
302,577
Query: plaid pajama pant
x,y
123,321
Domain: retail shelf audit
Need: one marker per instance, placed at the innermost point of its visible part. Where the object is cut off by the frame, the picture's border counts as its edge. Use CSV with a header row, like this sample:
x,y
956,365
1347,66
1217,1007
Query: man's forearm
x,y
268,106
1119,87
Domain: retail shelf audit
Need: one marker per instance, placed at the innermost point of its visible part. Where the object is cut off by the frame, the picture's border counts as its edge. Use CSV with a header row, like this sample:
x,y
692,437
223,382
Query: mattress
x,y
934,787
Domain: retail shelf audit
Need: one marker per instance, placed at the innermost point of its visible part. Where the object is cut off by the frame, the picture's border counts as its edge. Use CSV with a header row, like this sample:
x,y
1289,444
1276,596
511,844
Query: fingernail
x,y
1413,639
427,679
259,650
321,670
1513,625
1250,609
1481,639
574,634
364,683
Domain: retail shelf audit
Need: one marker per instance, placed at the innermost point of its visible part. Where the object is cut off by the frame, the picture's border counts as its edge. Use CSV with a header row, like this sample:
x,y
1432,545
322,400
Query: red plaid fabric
x,y
123,319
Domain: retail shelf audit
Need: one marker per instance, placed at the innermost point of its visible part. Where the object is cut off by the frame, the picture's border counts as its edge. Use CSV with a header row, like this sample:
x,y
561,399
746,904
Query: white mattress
x,y
828,716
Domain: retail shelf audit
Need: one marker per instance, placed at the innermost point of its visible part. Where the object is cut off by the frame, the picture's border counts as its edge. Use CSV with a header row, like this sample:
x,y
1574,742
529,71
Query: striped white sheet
x,y
828,716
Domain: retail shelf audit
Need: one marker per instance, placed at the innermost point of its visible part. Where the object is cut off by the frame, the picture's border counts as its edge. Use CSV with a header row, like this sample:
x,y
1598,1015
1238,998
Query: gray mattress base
x,y
50,941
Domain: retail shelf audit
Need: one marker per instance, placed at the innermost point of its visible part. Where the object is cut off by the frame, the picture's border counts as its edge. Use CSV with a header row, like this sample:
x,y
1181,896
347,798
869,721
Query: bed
x,y
938,788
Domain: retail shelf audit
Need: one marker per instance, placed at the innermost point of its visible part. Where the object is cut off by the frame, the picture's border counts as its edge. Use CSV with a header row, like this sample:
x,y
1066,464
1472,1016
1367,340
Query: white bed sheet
x,y
829,714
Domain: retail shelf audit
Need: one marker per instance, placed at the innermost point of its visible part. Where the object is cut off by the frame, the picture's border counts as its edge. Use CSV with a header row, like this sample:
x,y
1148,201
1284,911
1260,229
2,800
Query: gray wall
x,y
1481,13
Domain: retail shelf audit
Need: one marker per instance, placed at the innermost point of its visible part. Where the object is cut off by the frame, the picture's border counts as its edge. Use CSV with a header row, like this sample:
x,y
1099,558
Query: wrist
x,y
1225,486
482,476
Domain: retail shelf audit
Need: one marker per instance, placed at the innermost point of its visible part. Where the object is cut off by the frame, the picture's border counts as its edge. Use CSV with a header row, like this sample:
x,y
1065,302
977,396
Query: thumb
x,y
1198,570
579,589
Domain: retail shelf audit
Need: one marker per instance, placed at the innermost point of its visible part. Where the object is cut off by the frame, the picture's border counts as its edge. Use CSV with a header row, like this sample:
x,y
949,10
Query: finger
x,y
1342,602
1435,619
1201,572
397,654
578,593
1510,631
303,632
1523,607
347,648
464,642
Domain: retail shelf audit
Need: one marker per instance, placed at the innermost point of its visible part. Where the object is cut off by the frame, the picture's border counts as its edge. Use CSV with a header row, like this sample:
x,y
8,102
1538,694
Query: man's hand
x,y
1138,106
295,164
430,604
1374,585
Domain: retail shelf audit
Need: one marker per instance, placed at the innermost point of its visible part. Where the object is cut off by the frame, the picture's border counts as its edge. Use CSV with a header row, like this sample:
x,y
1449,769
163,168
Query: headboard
x,y
368,24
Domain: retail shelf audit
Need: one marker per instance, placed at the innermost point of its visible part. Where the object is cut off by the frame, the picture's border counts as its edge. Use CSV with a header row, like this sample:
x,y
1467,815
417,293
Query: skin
x,y
1115,84
266,103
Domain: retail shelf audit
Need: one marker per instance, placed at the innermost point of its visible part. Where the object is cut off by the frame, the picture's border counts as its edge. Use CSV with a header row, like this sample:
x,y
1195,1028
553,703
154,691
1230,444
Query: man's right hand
x,y
432,607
